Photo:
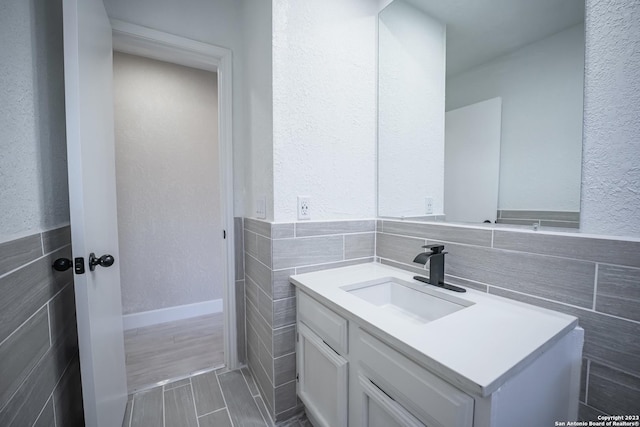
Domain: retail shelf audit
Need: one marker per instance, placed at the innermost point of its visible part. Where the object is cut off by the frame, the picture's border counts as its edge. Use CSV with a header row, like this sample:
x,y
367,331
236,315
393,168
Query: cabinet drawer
x,y
430,399
329,326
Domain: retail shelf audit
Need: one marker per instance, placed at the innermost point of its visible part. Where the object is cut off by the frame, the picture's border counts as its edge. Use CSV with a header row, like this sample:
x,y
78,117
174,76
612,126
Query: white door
x,y
92,200
472,162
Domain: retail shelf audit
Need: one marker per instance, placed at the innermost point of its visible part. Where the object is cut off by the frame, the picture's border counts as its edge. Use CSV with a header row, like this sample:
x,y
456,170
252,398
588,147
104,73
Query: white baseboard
x,y
170,314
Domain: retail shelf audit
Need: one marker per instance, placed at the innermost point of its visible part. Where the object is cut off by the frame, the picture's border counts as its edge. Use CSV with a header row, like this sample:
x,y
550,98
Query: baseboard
x,y
170,314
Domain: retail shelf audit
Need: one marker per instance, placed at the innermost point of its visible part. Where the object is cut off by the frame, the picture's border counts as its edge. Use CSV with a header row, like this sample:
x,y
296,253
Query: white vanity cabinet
x,y
494,363
322,368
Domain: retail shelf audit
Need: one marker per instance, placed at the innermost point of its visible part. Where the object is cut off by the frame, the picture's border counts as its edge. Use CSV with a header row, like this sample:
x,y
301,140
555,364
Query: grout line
x,y
375,242
55,417
22,324
595,287
560,303
247,382
224,399
213,412
326,263
193,394
55,386
133,401
229,416
164,422
33,261
49,323
42,410
255,400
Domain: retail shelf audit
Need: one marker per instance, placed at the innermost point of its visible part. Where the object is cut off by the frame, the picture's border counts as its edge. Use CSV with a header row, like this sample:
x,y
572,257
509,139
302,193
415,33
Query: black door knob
x,y
62,264
103,261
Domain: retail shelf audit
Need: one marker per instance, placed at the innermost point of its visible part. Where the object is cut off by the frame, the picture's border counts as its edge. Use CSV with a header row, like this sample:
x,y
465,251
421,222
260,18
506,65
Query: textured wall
x,y
258,167
324,107
611,167
169,215
33,171
411,92
216,22
541,88
39,370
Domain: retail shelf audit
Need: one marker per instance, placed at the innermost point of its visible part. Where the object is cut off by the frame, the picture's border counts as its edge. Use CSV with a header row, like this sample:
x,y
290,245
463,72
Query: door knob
x,y
103,261
62,264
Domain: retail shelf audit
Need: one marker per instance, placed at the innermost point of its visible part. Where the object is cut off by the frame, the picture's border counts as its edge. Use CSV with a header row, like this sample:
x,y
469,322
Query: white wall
x,y
216,22
169,213
324,107
258,92
541,86
611,157
412,47
33,156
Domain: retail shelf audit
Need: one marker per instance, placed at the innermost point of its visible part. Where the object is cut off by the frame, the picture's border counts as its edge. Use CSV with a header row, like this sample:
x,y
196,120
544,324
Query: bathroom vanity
x,y
377,348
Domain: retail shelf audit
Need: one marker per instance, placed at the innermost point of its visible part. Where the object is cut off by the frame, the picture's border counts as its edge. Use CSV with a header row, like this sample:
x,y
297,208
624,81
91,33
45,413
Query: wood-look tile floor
x,y
214,399
173,350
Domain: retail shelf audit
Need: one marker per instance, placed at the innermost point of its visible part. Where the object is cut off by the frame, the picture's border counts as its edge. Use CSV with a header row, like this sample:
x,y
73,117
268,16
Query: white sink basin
x,y
413,302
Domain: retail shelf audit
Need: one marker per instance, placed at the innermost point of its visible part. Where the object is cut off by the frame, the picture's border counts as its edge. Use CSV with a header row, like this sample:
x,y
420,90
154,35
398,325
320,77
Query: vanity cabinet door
x,y
322,380
379,410
429,399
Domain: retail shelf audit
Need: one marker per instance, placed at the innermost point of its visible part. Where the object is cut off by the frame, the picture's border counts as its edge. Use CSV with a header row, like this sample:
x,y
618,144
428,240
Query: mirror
x,y
480,111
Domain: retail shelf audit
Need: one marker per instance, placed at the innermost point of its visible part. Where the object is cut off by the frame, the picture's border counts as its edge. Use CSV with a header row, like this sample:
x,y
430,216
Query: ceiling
x,y
480,30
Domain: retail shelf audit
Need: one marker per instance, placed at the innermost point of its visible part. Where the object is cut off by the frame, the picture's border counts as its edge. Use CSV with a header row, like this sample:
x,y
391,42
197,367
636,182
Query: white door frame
x,y
149,43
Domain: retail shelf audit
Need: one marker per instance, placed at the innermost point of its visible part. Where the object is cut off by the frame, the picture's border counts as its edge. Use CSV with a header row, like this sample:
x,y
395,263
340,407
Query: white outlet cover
x,y
428,205
304,207
261,207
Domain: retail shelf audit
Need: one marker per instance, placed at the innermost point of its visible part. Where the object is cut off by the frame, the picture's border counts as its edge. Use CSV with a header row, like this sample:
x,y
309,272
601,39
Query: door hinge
x,y
224,234
297,377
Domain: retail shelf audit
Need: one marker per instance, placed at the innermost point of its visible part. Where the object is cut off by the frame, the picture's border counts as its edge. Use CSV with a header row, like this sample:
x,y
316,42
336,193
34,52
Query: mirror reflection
x,y
480,110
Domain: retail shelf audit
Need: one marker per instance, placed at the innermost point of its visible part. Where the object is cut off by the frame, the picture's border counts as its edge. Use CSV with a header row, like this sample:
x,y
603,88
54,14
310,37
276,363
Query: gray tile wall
x,y
560,219
273,252
38,339
595,279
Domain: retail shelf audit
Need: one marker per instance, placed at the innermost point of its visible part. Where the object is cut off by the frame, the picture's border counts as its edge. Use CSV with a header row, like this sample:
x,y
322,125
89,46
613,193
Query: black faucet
x,y
436,267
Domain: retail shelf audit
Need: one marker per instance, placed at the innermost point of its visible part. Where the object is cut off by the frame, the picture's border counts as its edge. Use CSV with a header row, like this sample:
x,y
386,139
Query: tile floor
x,y
219,398
173,350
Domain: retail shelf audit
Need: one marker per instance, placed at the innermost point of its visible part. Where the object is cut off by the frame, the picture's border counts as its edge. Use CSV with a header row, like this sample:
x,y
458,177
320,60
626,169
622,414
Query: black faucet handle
x,y
435,249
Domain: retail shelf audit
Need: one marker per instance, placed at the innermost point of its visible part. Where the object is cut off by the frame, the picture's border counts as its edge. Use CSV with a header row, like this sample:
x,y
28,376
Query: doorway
x,y
172,149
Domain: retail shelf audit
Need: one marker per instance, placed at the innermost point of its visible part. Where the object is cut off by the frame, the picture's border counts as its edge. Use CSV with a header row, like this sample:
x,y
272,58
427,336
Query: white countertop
x,y
477,348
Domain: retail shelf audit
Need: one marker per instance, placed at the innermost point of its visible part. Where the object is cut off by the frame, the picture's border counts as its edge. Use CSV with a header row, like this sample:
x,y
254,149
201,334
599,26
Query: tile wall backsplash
x,y
562,219
39,364
273,252
595,279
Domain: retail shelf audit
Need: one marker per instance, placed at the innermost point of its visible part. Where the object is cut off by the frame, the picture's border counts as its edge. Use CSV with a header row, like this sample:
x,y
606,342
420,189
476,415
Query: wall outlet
x,y
304,207
261,208
428,205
